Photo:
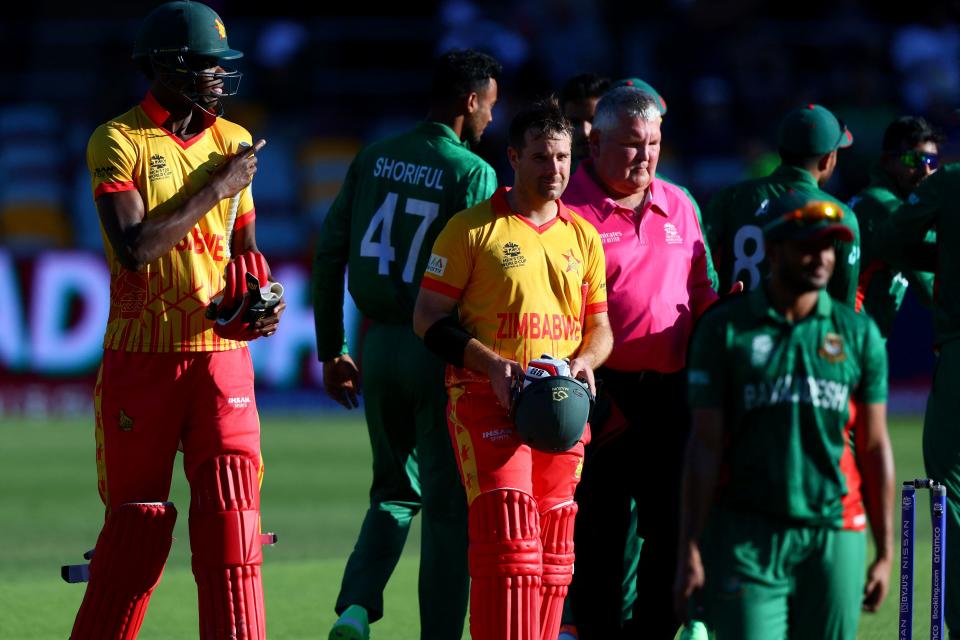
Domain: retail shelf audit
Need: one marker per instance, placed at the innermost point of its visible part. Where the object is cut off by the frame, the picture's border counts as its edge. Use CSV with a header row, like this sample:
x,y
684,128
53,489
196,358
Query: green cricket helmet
x,y
550,412
183,42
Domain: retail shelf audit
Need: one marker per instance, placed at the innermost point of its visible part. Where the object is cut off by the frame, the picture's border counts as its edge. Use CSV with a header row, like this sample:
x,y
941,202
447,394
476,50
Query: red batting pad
x,y
505,567
126,566
225,540
556,533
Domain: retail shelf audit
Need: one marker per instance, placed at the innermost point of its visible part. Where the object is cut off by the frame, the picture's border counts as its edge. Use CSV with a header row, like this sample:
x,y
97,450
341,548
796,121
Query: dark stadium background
x,y
319,86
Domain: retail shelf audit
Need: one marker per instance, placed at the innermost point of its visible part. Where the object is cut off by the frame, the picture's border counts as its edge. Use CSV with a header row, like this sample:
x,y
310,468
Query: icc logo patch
x,y
832,348
760,351
158,167
512,256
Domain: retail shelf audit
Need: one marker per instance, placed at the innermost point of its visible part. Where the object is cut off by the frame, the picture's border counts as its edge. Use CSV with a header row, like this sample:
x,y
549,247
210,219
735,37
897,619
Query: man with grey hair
x,y
657,286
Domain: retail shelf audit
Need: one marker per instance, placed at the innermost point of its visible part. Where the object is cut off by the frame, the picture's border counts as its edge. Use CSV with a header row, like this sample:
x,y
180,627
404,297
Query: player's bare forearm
x,y
137,240
875,460
597,341
701,469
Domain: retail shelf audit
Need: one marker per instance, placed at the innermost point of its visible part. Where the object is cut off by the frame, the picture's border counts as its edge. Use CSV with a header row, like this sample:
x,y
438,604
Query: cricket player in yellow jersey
x,y
527,276
170,178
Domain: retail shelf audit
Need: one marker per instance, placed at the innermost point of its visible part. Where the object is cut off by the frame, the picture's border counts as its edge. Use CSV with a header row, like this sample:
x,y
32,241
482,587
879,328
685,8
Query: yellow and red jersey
x,y
161,308
522,290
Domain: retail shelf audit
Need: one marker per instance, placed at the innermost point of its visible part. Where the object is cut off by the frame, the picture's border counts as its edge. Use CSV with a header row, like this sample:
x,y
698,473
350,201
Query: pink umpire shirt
x,y
657,282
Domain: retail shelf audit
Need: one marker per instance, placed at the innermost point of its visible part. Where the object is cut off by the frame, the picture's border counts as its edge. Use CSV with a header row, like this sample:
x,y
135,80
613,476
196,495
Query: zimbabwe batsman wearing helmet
x,y
527,276
167,177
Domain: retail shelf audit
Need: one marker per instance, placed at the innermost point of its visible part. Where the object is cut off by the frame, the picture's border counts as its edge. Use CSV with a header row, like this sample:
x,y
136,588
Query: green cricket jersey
x,y
734,220
397,196
934,204
785,390
883,287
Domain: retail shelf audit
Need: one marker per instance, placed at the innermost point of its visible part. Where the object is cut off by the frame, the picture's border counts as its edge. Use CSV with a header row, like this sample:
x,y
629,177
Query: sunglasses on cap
x,y
814,212
917,159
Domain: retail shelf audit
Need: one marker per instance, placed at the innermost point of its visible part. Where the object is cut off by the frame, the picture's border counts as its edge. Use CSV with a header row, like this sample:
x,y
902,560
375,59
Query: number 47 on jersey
x,y
382,223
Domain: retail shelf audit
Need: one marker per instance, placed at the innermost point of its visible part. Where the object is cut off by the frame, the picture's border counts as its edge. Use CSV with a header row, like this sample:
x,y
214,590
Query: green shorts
x,y
768,581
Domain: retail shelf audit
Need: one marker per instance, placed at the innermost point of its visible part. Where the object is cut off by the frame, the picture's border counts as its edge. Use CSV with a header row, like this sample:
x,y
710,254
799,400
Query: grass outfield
x,y
314,496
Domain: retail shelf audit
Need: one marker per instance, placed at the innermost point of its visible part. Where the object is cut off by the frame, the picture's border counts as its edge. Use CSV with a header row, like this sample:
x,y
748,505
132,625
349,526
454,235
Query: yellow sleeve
x,y
111,159
595,274
451,262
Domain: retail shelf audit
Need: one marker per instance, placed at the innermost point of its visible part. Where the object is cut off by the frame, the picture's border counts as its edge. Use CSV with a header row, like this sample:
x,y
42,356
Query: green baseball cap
x,y
812,130
800,215
637,83
183,28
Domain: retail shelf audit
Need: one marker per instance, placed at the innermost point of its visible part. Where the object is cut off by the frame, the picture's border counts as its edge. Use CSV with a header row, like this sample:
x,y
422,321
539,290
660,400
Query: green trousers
x,y
769,581
941,457
413,468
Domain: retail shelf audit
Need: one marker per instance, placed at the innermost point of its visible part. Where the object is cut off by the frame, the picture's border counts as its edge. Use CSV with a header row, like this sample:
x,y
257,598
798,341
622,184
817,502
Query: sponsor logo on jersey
x,y
158,168
610,237
497,435
436,265
105,173
408,173
760,350
512,256
832,348
822,394
125,422
239,402
763,208
579,470
572,263
550,326
672,235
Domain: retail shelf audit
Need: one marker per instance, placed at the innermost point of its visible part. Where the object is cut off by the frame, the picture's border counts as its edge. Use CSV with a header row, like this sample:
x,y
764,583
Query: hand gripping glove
x,y
247,296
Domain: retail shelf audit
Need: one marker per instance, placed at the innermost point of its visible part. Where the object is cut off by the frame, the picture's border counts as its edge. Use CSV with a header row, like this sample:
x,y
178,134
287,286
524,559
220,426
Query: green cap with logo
x,y
801,215
637,83
812,130
551,413
183,28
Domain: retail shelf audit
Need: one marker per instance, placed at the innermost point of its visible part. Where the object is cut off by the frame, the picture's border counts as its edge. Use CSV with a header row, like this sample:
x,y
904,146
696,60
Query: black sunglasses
x,y
917,159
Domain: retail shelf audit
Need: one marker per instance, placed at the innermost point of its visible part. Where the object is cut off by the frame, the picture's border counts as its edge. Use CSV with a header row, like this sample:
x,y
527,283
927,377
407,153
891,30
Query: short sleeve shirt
x,y
785,391
161,308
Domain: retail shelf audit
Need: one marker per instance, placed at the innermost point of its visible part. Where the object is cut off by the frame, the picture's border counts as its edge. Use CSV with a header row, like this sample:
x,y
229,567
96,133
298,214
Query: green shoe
x,y
351,625
696,630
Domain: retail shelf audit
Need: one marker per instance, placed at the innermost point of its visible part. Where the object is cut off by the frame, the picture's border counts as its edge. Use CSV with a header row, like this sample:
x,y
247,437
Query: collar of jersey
x,y
434,128
880,178
655,198
158,115
501,208
762,307
790,174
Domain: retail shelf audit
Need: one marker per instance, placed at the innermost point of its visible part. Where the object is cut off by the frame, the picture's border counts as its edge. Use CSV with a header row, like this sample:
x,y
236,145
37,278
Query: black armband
x,y
448,339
